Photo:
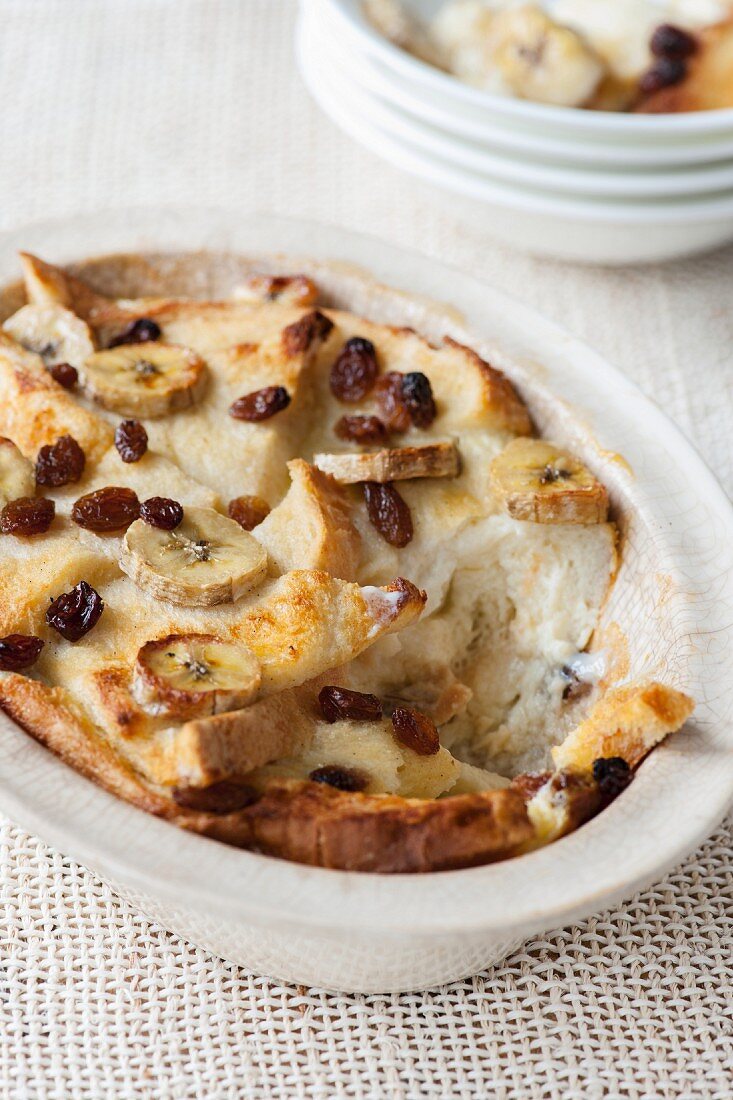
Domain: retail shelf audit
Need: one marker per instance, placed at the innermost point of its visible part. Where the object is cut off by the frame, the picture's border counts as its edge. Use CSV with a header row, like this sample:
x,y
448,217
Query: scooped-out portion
x,y
335,604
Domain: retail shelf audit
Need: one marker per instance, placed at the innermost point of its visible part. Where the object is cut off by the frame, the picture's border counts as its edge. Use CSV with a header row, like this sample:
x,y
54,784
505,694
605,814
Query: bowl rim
x,y
581,181
511,138
353,22
567,880
515,196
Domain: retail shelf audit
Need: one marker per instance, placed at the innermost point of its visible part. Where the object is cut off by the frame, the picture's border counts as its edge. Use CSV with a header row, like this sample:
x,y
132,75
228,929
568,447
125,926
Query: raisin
x,y
355,371
612,774
417,394
131,440
19,651
416,731
74,613
161,512
664,72
219,798
248,512
66,375
388,512
361,429
298,337
391,401
113,508
60,463
337,703
260,405
141,331
27,516
343,779
575,688
669,41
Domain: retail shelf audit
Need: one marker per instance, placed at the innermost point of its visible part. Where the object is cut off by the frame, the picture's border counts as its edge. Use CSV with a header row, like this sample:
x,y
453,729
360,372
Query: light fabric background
x,y
115,102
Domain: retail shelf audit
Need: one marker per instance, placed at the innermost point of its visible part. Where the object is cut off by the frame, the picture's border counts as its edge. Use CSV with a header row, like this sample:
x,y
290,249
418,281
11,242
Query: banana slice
x,y
208,559
542,60
397,464
53,332
190,675
539,482
149,379
17,477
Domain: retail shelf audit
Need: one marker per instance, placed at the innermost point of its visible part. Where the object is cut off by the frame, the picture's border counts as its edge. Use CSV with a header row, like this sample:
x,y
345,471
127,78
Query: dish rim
x,y
399,60
564,881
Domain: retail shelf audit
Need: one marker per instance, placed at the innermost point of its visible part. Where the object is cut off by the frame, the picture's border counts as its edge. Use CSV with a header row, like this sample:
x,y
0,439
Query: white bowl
x,y
382,932
531,136
584,229
348,20
343,78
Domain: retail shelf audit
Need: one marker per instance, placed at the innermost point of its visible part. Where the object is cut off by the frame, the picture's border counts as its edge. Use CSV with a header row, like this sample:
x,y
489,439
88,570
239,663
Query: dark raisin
x,y
361,429
161,512
248,512
113,508
417,394
260,405
388,512
391,402
141,331
218,798
298,337
416,731
60,463
27,516
669,41
612,774
355,371
131,440
665,72
343,779
66,375
19,651
575,688
74,613
337,703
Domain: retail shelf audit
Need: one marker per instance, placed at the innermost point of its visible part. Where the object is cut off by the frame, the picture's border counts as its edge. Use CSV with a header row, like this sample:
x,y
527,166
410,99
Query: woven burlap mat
x,y
117,102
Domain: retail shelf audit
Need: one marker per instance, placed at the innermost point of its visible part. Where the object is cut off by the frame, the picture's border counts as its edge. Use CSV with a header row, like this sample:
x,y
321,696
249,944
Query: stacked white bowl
x,y
581,185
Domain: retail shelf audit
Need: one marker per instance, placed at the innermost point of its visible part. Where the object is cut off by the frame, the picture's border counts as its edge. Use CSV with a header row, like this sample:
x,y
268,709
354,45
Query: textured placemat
x,y
116,102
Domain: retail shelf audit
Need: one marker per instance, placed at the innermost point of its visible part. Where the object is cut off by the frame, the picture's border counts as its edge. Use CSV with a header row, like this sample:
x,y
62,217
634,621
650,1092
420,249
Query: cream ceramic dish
x,y
673,600
580,227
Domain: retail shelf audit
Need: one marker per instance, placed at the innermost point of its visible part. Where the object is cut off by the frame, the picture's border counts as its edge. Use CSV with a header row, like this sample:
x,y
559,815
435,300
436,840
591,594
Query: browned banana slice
x,y
395,464
541,483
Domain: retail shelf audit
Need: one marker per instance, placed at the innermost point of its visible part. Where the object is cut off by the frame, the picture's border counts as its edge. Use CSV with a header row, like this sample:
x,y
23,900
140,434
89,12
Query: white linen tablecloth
x,y
117,102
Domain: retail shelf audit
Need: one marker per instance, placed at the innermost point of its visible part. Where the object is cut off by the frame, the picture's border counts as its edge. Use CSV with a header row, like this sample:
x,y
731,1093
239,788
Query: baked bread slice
x,y
253,671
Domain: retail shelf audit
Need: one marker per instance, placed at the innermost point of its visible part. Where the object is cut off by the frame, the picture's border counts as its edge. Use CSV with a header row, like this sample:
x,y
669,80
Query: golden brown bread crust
x,y
315,824
627,721
301,821
312,528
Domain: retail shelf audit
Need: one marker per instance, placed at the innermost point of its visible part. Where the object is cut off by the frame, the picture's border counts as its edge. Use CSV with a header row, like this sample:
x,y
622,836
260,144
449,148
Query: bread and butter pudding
x,y
616,55
301,581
